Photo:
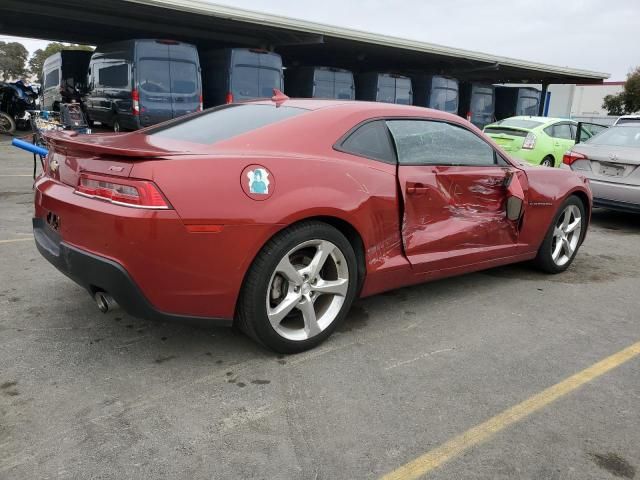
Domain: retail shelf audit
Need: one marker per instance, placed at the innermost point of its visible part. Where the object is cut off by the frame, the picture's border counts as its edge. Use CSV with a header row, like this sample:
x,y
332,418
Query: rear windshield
x,y
622,121
167,76
224,122
623,136
518,123
248,82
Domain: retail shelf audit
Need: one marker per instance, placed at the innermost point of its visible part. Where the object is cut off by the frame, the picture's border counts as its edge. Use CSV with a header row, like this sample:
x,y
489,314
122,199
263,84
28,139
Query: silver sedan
x,y
611,162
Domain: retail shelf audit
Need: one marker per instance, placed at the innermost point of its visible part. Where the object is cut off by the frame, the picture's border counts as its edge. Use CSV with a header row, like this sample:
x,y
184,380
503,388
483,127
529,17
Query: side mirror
x,y
514,208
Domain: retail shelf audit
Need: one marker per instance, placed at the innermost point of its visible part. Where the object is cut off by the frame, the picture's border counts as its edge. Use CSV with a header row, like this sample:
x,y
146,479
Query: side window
x,y
371,140
424,142
561,130
113,76
52,79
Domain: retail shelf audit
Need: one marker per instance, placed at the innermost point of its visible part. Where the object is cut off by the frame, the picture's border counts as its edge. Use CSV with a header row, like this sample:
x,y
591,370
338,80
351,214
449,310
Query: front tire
x,y
7,124
564,237
299,288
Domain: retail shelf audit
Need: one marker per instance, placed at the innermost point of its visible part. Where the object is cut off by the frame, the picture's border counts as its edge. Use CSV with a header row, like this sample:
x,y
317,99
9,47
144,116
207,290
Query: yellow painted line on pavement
x,y
14,240
480,433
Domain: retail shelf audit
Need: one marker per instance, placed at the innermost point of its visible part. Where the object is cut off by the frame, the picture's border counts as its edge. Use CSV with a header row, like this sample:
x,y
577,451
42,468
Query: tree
x,y
40,55
627,101
614,104
13,59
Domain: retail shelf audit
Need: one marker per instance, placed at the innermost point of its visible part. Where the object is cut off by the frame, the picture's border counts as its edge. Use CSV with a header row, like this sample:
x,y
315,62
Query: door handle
x,y
416,188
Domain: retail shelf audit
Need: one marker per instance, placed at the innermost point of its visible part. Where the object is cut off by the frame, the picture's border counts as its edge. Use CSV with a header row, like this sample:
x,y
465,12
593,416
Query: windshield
x,y
518,123
224,122
618,136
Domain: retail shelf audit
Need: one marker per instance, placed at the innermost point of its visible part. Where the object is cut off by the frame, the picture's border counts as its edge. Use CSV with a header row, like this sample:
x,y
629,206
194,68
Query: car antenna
x,y
278,97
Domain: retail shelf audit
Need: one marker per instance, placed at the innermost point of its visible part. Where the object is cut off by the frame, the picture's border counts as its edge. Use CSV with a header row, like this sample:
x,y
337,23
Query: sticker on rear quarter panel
x,y
257,182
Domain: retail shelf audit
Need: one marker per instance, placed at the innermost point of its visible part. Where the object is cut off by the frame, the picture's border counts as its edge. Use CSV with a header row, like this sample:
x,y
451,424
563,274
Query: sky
x,y
588,34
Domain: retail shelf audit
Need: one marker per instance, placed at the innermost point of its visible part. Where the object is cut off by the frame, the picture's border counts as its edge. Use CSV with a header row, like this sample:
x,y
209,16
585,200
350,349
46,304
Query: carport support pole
x,y
543,99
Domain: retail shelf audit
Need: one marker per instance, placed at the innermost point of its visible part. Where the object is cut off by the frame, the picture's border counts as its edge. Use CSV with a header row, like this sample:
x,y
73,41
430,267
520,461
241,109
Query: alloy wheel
x,y
547,162
566,235
307,290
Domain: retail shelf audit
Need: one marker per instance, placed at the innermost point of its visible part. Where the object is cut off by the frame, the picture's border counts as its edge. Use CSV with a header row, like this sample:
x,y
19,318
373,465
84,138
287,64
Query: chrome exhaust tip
x,y
105,302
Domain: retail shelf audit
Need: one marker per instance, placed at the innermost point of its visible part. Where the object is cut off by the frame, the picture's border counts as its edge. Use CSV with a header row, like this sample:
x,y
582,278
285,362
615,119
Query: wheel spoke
x,y
289,271
566,219
336,287
572,226
283,308
556,251
567,247
311,326
324,250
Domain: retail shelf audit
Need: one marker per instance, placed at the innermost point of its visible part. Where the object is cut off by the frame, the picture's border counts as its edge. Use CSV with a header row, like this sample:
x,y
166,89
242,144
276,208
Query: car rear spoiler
x,y
99,145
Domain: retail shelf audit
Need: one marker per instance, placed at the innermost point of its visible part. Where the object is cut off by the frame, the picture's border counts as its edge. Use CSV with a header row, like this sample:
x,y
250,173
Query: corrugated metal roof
x,y
275,21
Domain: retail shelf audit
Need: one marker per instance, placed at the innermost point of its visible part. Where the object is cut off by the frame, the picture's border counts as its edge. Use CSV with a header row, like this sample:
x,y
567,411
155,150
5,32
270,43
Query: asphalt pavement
x,y
107,396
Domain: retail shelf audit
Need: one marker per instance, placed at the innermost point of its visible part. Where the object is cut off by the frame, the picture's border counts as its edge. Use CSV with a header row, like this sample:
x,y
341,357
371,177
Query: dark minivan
x,y
477,103
237,74
434,91
384,87
137,83
516,101
320,82
64,78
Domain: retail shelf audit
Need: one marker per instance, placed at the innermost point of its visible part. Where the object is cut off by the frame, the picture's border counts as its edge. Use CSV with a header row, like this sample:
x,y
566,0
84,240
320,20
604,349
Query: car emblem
x,y
613,157
53,165
257,182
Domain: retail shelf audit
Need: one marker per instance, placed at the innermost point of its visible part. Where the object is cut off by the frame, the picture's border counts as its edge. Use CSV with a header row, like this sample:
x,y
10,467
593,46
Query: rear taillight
x,y
569,157
229,98
529,141
201,105
135,101
122,191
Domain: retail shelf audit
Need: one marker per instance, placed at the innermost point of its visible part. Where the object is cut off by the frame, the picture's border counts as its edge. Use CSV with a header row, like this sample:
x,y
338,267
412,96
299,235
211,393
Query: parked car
x,y
320,82
611,162
516,101
627,119
538,140
240,74
384,87
477,103
434,91
240,213
136,83
64,77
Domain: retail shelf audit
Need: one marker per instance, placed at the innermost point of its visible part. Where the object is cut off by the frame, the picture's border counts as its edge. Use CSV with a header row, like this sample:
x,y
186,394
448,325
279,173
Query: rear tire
x,y
299,288
564,237
116,125
548,161
7,124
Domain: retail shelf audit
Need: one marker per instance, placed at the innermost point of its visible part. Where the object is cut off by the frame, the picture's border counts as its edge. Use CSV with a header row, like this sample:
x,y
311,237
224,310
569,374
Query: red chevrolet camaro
x,y
277,214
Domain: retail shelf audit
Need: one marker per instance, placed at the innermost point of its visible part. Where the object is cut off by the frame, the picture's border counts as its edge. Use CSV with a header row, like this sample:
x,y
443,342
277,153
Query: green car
x,y
538,140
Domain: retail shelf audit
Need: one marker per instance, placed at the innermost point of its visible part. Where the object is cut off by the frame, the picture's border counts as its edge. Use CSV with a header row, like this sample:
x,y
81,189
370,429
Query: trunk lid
x,y
509,138
612,163
71,154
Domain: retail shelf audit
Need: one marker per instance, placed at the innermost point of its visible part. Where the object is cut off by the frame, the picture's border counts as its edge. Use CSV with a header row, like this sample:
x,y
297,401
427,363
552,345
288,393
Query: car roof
x,y
542,119
359,106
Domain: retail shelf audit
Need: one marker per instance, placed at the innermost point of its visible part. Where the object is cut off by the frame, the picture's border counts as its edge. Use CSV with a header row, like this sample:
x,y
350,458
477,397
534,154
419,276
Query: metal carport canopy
x,y
300,42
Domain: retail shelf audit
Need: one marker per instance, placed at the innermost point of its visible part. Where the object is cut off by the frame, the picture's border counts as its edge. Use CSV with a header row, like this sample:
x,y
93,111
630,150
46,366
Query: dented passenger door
x,y
454,188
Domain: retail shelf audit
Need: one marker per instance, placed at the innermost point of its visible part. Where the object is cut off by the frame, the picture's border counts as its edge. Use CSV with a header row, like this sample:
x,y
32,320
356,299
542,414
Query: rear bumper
x,y
615,195
96,273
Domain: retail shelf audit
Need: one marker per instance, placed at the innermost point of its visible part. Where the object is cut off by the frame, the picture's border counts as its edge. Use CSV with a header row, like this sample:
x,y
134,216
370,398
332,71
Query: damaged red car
x,y
277,214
